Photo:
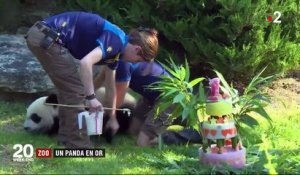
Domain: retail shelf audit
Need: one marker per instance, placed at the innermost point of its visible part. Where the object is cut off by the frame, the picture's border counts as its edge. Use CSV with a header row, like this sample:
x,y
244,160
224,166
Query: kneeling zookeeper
x,y
58,40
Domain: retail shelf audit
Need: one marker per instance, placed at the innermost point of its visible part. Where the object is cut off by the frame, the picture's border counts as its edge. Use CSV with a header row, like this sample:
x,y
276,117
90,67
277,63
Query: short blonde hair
x,y
147,39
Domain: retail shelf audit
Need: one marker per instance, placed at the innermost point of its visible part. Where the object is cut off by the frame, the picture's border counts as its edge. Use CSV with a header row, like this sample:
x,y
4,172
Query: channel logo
x,y
276,18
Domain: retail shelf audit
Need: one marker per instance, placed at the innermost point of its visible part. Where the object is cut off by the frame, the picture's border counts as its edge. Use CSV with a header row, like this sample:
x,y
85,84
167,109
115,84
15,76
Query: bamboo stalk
x,y
83,106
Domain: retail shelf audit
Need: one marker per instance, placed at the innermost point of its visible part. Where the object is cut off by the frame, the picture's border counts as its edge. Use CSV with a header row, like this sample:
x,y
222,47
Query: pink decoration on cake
x,y
224,132
213,132
228,142
236,159
220,120
214,90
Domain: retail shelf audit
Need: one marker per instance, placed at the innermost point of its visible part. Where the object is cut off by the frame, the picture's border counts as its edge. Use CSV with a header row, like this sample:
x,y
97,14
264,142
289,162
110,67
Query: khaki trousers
x,y
143,119
61,68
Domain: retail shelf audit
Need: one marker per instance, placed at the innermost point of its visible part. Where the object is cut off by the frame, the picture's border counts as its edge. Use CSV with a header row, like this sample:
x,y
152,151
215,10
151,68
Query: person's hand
x,y
95,106
113,124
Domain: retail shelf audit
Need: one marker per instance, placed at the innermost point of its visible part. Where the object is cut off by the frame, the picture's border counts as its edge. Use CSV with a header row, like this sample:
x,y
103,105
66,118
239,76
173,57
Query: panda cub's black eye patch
x,y
34,117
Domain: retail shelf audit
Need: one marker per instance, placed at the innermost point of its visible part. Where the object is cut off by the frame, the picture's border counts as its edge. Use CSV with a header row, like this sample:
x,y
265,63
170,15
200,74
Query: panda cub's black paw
x,y
108,135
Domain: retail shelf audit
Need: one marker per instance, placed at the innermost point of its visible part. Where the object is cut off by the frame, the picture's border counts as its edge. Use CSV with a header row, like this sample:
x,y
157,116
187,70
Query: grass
x,y
270,149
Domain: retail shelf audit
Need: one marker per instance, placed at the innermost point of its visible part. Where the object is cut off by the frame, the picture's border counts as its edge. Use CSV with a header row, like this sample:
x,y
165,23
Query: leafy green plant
x,y
252,100
190,105
178,90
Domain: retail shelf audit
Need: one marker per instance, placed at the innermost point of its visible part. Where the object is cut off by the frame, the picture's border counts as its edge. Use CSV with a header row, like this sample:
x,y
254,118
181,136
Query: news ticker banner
x,y
25,153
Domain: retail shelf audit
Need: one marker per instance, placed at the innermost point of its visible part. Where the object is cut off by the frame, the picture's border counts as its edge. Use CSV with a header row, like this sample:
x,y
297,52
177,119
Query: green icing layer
x,y
219,108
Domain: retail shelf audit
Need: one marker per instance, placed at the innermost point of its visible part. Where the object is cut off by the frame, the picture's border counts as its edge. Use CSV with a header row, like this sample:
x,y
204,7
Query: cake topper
x,y
214,90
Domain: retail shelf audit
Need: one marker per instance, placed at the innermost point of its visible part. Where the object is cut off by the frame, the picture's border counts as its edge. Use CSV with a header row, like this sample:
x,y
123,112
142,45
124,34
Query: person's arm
x,y
110,89
121,91
110,97
86,65
99,79
121,87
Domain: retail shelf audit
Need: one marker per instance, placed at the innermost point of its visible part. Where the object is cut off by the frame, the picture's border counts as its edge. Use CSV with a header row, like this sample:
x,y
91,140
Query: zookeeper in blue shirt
x,y
137,77
89,38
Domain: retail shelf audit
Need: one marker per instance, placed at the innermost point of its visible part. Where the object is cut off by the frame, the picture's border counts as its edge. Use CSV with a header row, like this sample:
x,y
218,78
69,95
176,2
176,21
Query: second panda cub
x,y
123,117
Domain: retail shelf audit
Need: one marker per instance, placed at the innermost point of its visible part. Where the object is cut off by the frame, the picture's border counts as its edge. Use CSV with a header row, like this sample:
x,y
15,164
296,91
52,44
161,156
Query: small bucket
x,y
94,123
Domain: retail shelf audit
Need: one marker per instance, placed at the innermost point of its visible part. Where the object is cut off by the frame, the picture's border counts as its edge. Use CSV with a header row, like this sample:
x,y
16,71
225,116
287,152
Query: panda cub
x,y
123,117
41,118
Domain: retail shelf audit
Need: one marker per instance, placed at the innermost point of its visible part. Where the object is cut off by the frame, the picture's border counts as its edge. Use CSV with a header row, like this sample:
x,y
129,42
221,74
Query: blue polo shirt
x,y
83,32
138,81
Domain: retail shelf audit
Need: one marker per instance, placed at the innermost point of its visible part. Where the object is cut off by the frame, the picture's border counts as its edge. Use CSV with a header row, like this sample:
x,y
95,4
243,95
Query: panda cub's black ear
x,y
52,98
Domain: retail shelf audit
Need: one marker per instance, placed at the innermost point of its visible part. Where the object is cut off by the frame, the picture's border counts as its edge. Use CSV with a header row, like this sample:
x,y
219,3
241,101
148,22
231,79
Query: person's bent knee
x,y
135,126
143,140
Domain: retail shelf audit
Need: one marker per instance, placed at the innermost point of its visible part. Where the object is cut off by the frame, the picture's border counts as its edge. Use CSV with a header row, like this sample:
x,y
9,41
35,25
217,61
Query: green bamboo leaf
x,y
263,98
201,96
174,73
178,72
261,111
185,113
196,81
182,73
160,107
224,82
248,120
165,84
174,67
177,112
252,83
187,71
193,119
178,98
175,128
196,127
171,92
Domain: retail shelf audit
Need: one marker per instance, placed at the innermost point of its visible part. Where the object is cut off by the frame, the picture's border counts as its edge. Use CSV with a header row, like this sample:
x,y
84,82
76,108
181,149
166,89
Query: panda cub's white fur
x,y
129,100
40,118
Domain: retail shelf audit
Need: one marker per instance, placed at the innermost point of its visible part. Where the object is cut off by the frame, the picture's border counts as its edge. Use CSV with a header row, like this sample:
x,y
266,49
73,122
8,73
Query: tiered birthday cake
x,y
221,130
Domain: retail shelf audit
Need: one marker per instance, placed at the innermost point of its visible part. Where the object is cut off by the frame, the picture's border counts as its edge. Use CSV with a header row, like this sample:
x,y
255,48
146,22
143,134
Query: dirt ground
x,y
286,89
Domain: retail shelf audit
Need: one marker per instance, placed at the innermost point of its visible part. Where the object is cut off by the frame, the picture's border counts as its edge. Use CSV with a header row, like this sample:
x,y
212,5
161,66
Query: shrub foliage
x,y
232,36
